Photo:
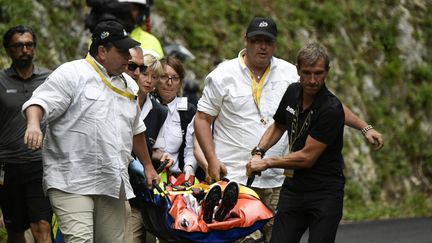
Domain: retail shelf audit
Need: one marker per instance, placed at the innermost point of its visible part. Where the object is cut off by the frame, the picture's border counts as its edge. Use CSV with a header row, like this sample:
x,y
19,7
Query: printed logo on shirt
x,y
11,91
290,110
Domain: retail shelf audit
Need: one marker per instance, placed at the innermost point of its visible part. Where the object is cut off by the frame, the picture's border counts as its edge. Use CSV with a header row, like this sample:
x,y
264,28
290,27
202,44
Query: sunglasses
x,y
165,78
21,45
133,66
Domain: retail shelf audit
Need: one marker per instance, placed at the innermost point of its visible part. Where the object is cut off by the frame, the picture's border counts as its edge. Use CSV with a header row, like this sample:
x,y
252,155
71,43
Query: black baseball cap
x,y
262,26
111,31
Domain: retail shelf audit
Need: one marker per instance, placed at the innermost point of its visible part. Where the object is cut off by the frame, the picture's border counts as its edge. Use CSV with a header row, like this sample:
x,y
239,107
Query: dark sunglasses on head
x,y
133,66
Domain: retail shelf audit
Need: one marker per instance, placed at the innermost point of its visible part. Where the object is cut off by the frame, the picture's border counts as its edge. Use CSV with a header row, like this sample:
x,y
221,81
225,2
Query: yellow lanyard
x,y
112,87
257,89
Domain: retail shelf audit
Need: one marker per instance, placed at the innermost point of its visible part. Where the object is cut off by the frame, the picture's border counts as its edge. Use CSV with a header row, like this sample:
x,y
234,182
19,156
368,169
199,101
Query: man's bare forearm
x,y
271,136
204,135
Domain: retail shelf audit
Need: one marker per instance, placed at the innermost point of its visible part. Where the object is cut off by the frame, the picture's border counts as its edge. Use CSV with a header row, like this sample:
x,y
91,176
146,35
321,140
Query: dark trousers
x,y
22,198
318,211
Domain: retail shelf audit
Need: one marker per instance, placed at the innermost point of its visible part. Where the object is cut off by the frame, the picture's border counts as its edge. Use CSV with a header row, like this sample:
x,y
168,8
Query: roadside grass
x,y
415,205
3,235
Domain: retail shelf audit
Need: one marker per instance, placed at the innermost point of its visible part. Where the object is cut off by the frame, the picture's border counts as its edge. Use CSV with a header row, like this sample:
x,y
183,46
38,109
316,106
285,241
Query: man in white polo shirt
x,y
93,123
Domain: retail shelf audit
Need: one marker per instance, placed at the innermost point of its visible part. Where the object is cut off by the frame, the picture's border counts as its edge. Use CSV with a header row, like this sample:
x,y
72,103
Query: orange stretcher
x,y
167,216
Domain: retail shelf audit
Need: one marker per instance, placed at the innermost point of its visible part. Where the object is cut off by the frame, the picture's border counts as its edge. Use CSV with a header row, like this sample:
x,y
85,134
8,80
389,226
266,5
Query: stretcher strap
x,y
206,187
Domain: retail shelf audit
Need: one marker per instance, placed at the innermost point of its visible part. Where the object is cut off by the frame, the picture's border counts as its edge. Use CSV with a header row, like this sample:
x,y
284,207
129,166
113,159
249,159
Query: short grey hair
x,y
311,53
138,49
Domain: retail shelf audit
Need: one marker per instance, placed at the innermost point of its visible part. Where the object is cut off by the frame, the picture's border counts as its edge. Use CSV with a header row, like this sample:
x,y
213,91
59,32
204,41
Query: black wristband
x,y
258,151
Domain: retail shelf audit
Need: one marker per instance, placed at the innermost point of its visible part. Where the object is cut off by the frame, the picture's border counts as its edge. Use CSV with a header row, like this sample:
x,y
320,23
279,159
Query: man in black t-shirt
x,y
22,201
312,194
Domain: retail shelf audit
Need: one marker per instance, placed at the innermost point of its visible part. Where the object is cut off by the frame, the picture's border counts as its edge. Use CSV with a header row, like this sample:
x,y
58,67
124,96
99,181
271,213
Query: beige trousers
x,y
89,218
135,231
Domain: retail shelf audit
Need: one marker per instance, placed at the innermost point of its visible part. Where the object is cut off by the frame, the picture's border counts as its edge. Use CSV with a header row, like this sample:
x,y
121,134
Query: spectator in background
x,y
22,199
134,15
141,14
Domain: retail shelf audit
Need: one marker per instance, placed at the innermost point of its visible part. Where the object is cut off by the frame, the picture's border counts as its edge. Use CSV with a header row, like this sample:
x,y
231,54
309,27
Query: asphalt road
x,y
412,230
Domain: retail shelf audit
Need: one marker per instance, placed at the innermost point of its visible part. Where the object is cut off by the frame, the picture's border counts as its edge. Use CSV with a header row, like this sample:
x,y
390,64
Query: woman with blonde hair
x,y
152,112
146,69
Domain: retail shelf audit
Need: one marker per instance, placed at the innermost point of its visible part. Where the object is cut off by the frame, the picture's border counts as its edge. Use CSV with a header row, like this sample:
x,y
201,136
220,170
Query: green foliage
x,y
410,206
54,24
354,192
327,16
422,73
3,235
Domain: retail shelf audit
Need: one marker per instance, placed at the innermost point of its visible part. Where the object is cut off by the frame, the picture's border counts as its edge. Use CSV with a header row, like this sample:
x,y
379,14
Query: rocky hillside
x,y
382,69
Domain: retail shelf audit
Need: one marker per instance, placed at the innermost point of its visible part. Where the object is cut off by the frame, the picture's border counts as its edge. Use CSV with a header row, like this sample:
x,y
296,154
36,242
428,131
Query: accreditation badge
x,y
182,104
265,121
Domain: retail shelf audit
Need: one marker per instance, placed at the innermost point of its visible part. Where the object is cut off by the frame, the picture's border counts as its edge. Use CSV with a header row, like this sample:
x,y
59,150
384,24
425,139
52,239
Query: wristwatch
x,y
258,151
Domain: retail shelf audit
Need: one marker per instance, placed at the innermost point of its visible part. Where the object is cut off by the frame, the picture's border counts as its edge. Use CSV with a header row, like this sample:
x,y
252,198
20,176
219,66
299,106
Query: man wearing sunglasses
x,y
22,199
136,65
145,69
93,125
